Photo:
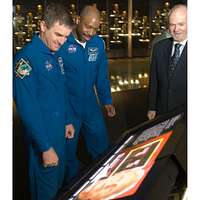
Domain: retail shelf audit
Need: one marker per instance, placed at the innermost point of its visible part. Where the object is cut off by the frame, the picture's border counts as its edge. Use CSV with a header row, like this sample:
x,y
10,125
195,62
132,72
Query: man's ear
x,y
43,26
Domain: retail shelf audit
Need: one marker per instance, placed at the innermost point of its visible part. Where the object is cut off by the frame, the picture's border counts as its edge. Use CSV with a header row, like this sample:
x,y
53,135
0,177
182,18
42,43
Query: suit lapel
x,y
182,58
168,50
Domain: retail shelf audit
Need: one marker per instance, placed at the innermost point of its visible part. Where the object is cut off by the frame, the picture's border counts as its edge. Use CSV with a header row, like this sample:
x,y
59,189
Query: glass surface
x,y
128,74
125,25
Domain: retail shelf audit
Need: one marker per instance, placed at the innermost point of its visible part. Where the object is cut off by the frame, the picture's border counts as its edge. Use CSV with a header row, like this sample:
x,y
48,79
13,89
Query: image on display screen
x,y
124,172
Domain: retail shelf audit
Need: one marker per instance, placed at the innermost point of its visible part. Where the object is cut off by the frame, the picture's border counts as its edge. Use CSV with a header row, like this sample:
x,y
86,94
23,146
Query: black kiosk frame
x,y
147,162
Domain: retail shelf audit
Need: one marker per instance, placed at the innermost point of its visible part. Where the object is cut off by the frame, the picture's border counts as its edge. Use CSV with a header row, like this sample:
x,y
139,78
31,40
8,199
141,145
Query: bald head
x,y
178,8
89,23
90,12
178,22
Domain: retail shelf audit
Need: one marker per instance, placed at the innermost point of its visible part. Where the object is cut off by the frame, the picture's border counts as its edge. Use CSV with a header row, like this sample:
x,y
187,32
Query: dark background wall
x,y
145,7
148,8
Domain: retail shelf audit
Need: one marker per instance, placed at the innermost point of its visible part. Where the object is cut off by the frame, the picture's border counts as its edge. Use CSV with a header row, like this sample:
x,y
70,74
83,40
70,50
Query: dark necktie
x,y
174,58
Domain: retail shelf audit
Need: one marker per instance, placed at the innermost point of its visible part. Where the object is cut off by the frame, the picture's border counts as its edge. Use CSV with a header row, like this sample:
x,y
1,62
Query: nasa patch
x,y
72,48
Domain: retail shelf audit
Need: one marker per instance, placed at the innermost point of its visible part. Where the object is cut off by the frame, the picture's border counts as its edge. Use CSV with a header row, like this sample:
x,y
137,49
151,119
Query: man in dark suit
x,y
168,70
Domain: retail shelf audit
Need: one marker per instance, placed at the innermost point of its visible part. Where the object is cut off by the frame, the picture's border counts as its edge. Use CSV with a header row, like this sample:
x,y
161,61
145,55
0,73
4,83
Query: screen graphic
x,y
124,172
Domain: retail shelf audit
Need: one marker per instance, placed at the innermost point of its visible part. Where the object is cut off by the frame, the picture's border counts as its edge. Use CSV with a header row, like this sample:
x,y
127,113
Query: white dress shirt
x,y
181,48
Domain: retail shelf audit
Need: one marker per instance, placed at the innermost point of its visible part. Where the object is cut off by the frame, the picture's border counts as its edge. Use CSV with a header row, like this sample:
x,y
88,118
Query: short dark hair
x,y
55,12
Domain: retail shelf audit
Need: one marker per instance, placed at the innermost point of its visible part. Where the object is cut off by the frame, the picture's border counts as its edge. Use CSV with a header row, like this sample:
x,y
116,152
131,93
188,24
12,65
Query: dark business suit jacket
x,y
166,94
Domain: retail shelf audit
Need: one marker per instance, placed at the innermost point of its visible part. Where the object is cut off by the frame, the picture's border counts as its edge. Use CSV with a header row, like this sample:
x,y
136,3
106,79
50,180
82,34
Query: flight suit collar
x,y
72,39
39,44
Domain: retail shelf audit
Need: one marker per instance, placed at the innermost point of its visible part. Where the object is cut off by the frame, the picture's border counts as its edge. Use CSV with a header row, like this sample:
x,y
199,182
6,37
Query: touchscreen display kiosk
x,y
123,172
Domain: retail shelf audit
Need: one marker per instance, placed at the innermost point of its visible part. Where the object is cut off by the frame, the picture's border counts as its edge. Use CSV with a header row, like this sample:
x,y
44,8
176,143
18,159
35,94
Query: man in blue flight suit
x,y
86,67
42,103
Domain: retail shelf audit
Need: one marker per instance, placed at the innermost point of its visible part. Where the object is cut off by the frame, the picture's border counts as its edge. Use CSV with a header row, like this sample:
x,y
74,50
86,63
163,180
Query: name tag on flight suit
x,y
92,52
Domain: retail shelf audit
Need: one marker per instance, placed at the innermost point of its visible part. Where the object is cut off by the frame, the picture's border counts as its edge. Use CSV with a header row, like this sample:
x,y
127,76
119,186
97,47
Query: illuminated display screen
x,y
123,172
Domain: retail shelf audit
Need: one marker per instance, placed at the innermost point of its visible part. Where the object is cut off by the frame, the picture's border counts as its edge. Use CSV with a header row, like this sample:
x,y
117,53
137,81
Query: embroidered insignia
x,y
93,52
60,61
22,68
48,65
72,48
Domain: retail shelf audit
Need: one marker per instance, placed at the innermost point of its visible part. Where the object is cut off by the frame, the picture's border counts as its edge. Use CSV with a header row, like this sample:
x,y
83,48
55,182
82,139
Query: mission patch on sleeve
x,y
22,68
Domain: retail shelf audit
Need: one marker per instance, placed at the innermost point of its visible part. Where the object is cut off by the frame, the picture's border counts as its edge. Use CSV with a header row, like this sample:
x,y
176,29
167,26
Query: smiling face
x,y
55,35
178,23
87,28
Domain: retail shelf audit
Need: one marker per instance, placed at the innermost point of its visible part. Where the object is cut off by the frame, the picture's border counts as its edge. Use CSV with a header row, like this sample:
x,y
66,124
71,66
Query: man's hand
x,y
110,109
49,158
69,131
151,114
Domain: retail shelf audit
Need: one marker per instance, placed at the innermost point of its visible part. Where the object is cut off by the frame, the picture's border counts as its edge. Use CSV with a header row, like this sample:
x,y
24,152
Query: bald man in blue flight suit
x,y
86,68
42,103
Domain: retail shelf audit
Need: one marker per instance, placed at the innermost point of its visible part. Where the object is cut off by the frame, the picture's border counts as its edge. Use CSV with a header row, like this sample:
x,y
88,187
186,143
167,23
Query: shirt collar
x,y
72,39
182,43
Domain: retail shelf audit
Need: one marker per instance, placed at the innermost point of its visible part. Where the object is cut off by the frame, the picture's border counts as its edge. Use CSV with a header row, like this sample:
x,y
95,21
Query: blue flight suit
x,y
86,70
43,107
